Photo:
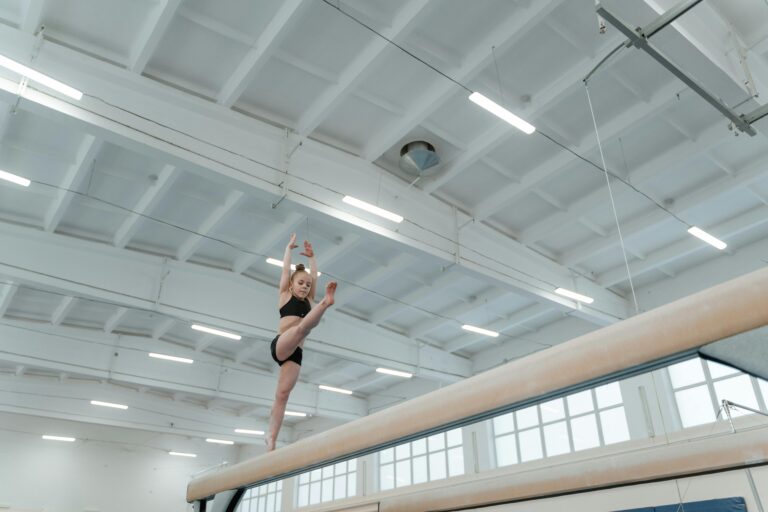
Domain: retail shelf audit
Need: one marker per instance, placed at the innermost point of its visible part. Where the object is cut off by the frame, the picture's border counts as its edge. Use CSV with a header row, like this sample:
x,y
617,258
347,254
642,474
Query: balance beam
x,y
672,330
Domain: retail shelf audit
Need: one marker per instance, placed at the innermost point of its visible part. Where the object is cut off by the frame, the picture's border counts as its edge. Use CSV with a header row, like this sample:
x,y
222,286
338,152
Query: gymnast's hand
x,y
308,252
292,242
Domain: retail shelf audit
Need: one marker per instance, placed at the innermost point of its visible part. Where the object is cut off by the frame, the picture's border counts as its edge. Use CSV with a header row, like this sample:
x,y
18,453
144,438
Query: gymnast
x,y
297,319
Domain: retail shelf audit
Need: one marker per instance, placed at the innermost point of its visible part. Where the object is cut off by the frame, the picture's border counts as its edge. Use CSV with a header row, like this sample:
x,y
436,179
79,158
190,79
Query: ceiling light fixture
x,y
296,414
217,332
499,111
480,330
335,390
40,78
182,454
218,441
24,182
58,438
249,432
575,296
278,263
109,404
711,240
372,209
396,373
171,358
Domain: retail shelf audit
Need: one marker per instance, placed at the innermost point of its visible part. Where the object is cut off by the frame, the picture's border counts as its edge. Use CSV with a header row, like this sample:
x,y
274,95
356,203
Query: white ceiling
x,y
209,131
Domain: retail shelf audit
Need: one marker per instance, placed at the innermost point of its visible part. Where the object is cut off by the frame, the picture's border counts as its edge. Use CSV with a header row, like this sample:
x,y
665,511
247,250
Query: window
x,y
265,498
700,386
424,460
579,421
329,483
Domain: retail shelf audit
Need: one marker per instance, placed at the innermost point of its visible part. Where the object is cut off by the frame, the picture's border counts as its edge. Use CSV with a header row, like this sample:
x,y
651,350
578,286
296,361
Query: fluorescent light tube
x,y
24,182
58,438
480,330
335,390
396,373
297,414
217,332
499,111
218,441
575,296
703,235
279,263
108,404
182,454
373,209
40,78
249,432
171,358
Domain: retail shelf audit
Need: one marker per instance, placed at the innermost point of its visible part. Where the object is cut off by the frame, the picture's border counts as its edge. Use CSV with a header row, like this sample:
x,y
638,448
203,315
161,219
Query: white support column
x,y
62,310
148,200
151,34
191,245
258,56
74,178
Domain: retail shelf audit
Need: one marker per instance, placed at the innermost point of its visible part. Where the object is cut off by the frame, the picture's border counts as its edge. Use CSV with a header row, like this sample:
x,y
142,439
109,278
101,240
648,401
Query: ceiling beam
x,y
31,15
7,292
277,233
151,34
688,201
192,244
114,320
92,354
63,309
413,297
609,130
503,37
516,319
755,218
253,155
259,54
362,65
144,206
666,162
86,155
449,315
246,306
70,399
346,295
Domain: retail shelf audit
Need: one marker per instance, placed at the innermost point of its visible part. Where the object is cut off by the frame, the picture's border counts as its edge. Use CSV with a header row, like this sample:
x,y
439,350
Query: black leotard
x,y
295,307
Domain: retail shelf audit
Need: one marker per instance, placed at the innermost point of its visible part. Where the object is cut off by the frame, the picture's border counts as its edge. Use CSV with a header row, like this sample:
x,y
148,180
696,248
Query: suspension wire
x,y
613,203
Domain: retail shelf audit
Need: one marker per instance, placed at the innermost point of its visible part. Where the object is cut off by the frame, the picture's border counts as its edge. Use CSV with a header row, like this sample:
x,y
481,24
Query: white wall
x,y
108,469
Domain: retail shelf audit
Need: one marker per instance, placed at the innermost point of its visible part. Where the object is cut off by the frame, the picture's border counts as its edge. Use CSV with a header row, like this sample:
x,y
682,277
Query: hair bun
x,y
301,268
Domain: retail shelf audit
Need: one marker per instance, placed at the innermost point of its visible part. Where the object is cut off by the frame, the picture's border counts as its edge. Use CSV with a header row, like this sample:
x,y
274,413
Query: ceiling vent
x,y
419,158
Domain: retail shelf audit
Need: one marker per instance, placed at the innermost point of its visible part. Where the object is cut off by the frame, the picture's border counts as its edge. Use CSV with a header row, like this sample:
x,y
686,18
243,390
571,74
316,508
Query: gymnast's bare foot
x,y
330,289
270,444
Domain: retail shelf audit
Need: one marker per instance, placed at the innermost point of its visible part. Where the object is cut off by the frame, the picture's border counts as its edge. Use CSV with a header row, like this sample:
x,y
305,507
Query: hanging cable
x,y
613,203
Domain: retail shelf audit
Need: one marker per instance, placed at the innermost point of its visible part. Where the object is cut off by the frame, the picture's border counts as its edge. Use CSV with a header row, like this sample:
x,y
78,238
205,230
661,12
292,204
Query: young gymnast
x,y
297,319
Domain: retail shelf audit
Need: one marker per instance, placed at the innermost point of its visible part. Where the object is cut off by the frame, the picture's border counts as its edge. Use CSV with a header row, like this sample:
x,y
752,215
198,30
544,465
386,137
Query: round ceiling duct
x,y
419,158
